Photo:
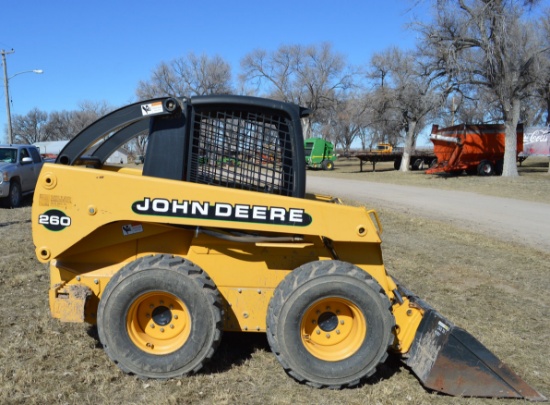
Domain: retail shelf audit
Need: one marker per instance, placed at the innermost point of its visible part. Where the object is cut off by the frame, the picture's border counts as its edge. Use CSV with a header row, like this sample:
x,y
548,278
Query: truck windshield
x,y
8,155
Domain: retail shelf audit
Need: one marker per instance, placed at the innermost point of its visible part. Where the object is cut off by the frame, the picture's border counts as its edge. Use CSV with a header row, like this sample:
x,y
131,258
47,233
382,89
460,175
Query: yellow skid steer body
x,y
209,237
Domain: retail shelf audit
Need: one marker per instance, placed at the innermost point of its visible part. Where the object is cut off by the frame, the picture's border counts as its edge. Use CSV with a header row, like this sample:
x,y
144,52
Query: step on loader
x,y
167,256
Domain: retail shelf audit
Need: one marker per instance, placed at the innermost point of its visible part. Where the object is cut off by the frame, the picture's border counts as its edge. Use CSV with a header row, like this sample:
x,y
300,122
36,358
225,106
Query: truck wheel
x,y
485,168
418,164
397,164
329,324
499,167
160,317
15,196
327,165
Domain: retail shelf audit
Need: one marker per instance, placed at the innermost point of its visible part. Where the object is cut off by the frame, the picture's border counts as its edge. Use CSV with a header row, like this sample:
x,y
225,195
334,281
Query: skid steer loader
x,y
208,236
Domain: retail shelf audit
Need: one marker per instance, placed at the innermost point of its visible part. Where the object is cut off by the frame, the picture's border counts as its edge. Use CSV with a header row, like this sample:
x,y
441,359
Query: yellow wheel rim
x,y
333,329
158,323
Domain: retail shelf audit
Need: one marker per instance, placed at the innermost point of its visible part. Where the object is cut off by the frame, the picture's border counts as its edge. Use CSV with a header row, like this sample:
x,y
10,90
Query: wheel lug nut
x,y
337,331
153,326
162,329
175,317
341,322
318,332
313,321
328,335
171,326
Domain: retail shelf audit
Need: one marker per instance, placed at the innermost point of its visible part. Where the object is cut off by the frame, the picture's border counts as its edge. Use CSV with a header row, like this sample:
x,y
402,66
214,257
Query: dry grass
x,y
533,183
496,290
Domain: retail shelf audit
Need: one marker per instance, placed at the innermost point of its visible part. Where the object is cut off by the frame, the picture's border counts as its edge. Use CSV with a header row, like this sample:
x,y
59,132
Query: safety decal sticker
x,y
151,108
441,328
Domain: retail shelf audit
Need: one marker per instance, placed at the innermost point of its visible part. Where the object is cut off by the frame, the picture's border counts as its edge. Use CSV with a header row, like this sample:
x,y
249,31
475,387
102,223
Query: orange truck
x,y
475,149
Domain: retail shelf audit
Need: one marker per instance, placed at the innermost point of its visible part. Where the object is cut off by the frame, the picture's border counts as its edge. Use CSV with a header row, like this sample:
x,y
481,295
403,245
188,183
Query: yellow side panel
x,y
246,308
71,202
89,223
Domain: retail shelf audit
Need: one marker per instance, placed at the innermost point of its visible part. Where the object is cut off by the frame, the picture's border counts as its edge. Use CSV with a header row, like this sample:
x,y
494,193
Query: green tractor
x,y
319,154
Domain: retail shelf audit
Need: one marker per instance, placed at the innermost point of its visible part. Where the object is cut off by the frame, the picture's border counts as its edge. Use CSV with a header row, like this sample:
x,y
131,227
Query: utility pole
x,y
6,90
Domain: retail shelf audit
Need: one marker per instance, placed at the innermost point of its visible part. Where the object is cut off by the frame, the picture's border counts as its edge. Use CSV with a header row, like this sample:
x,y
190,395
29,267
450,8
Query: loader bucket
x,y
447,359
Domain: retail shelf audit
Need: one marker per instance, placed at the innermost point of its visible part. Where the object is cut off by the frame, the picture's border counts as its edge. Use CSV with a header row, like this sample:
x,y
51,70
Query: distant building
x,y
50,149
119,157
53,148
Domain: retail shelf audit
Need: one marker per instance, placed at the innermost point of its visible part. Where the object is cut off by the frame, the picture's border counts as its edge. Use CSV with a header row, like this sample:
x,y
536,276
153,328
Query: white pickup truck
x,y
19,169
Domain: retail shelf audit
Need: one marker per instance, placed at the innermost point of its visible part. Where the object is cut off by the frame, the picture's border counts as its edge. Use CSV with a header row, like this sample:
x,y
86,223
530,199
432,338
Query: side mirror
x,y
26,160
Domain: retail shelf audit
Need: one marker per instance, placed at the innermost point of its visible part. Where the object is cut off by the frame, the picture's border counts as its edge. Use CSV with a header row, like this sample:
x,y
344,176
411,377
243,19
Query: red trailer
x,y
476,149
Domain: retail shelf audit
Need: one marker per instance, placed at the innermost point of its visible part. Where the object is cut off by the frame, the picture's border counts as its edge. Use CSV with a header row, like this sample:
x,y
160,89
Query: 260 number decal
x,y
54,220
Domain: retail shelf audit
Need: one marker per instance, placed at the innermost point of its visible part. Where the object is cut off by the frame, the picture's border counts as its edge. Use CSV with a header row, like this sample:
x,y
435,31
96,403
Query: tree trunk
x,y
407,150
510,168
306,128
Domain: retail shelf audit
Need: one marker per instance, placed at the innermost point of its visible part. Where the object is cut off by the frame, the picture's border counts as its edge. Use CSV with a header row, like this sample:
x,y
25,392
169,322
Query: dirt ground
x,y
472,203
533,183
493,287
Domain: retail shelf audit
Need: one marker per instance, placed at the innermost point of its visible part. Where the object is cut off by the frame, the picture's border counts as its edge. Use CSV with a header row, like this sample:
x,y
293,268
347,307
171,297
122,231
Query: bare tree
x,y
202,75
191,75
470,105
188,76
64,125
311,76
543,90
486,43
60,126
29,128
346,121
163,82
385,124
408,91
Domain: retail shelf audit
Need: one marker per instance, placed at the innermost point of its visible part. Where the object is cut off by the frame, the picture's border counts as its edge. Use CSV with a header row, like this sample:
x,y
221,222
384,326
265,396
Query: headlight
x,y
3,176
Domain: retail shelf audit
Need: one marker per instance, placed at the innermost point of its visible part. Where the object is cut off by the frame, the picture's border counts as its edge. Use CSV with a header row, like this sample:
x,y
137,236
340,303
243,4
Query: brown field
x,y
496,290
533,184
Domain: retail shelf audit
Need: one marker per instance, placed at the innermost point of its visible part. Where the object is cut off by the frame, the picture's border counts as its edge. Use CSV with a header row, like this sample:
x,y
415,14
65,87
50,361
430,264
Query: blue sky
x,y
100,50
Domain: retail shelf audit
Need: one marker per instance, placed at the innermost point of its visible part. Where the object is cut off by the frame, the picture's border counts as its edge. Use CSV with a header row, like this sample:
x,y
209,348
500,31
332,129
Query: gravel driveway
x,y
523,222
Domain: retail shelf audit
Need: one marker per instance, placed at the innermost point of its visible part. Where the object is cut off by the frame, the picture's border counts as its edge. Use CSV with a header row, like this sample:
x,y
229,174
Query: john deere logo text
x,y
222,211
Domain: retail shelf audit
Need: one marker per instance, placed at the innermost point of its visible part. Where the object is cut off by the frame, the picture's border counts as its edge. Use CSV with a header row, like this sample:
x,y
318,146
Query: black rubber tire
x,y
15,196
397,164
165,274
418,164
485,168
499,167
298,293
433,163
327,165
